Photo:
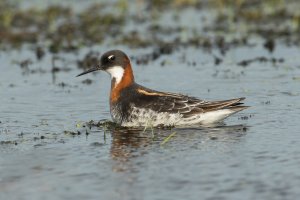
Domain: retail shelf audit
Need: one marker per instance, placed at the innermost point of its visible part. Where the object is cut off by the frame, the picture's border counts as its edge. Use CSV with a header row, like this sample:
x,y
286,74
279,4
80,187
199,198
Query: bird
x,y
133,105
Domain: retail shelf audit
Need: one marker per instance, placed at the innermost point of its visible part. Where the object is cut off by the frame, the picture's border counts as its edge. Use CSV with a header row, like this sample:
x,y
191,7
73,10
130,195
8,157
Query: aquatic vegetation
x,y
60,28
167,139
107,124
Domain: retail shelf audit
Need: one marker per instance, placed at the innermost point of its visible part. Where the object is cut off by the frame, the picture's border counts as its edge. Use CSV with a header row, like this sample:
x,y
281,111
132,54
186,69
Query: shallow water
x,y
256,155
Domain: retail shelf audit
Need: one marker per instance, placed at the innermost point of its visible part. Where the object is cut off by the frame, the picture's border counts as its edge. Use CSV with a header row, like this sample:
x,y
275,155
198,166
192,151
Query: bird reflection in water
x,y
129,146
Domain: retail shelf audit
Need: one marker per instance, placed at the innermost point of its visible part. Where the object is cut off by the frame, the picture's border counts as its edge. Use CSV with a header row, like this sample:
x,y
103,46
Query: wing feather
x,y
183,104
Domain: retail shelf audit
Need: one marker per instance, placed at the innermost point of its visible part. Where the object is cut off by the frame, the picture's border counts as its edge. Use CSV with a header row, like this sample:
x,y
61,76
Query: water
x,y
256,155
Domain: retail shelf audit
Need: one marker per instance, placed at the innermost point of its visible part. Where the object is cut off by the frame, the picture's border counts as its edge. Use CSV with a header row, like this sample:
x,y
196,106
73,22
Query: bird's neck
x,y
118,84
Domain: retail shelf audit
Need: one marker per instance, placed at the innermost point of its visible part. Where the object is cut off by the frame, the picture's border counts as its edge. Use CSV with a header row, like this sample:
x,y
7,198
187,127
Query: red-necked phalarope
x,y
133,105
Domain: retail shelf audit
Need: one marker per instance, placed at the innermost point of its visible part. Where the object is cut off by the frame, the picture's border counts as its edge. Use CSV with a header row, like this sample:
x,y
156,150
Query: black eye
x,y
111,57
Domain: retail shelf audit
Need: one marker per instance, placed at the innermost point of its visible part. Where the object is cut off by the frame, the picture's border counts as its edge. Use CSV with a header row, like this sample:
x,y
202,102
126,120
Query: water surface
x,y
254,156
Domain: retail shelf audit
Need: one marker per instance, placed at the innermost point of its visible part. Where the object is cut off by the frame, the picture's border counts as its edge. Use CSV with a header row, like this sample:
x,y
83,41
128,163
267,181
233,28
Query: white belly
x,y
149,118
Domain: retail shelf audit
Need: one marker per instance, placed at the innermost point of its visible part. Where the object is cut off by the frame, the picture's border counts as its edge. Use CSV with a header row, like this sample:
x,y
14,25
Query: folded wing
x,y
185,105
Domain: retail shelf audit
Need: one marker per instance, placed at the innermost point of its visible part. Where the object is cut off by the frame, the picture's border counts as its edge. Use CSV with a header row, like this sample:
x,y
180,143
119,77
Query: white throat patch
x,y
116,72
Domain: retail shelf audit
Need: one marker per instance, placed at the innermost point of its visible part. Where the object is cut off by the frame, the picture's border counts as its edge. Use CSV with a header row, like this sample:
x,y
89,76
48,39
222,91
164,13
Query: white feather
x,y
148,117
116,72
210,117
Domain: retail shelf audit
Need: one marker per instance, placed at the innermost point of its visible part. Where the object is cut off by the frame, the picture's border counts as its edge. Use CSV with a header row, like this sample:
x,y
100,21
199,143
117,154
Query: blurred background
x,y
58,27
